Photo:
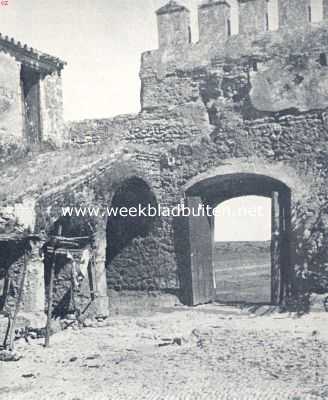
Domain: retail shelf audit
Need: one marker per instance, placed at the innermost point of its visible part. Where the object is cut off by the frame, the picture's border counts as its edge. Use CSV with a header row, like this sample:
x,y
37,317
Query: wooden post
x,y
50,291
17,307
6,292
276,249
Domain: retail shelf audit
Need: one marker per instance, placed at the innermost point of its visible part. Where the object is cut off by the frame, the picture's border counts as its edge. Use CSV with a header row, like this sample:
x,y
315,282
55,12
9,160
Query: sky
x,y
101,40
246,218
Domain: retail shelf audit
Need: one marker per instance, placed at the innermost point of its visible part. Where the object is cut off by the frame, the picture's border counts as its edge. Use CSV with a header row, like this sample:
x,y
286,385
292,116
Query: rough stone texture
x,y
213,20
293,12
325,9
23,72
89,132
53,129
11,120
34,293
277,86
69,297
319,302
256,105
173,25
100,273
252,16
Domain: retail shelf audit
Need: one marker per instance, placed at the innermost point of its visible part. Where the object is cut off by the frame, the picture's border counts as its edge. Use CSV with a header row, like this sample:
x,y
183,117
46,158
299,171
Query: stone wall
x,y
52,118
253,16
214,22
173,22
134,267
258,104
89,132
11,117
325,8
31,109
260,112
293,13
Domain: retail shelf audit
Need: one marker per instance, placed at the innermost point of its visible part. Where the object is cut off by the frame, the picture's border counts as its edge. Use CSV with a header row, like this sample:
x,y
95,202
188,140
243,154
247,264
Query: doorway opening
x,y
208,273
242,250
132,195
30,85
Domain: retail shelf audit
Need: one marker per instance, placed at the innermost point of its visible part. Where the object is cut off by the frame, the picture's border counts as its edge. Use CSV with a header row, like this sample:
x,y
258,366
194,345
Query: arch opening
x,y
133,195
201,237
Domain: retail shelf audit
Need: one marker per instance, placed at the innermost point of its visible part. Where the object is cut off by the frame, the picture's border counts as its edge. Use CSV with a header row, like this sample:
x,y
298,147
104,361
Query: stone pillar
x,y
99,274
34,290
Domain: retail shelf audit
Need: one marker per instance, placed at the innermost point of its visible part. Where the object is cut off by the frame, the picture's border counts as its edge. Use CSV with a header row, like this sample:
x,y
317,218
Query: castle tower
x,y
253,16
173,25
294,13
214,21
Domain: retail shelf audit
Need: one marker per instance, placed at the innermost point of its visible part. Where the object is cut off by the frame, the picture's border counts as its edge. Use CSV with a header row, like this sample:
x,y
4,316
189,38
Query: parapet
x,y
215,19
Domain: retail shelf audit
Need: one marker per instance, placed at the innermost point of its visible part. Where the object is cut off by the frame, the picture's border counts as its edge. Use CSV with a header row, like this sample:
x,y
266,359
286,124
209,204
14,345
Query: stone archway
x,y
128,250
197,232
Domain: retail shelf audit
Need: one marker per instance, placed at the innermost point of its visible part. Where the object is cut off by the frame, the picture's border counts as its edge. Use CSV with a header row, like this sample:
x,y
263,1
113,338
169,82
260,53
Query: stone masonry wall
x,y
11,118
293,13
252,16
53,129
258,104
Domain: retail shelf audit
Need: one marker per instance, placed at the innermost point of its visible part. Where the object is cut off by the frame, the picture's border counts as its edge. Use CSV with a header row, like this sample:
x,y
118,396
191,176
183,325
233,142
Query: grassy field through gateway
x,y
243,271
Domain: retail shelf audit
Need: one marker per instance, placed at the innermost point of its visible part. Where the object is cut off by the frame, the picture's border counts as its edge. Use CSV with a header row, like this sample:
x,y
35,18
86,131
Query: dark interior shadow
x,y
121,230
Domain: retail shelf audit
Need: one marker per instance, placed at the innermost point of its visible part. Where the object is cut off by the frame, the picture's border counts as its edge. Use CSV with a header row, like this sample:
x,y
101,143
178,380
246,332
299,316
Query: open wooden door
x,y
201,267
280,246
285,253
276,249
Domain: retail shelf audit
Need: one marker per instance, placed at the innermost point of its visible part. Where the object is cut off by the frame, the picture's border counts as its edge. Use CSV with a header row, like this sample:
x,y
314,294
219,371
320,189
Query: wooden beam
x,y
50,292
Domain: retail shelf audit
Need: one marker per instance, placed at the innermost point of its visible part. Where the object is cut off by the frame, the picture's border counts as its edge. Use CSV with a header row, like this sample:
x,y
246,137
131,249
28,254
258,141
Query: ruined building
x,y
228,116
30,95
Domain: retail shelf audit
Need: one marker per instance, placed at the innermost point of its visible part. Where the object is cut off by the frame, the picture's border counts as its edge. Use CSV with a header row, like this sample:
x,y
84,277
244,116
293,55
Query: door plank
x,y
201,266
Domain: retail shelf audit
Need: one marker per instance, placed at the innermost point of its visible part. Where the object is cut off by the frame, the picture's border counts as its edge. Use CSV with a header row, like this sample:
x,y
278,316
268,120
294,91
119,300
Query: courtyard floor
x,y
209,352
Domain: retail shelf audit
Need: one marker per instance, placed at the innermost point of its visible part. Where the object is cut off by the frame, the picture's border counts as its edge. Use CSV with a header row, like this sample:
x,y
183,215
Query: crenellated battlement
x,y
284,55
254,17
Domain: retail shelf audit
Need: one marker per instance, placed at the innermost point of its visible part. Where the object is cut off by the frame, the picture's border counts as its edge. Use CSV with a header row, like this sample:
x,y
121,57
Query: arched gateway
x,y
194,234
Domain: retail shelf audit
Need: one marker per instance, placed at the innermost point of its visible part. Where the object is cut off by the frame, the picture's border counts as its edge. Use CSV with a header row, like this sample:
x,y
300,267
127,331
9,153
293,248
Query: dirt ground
x,y
210,352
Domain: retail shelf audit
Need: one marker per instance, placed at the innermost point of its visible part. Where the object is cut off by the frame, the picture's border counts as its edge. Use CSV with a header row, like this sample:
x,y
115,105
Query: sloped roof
x,y
30,56
170,7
